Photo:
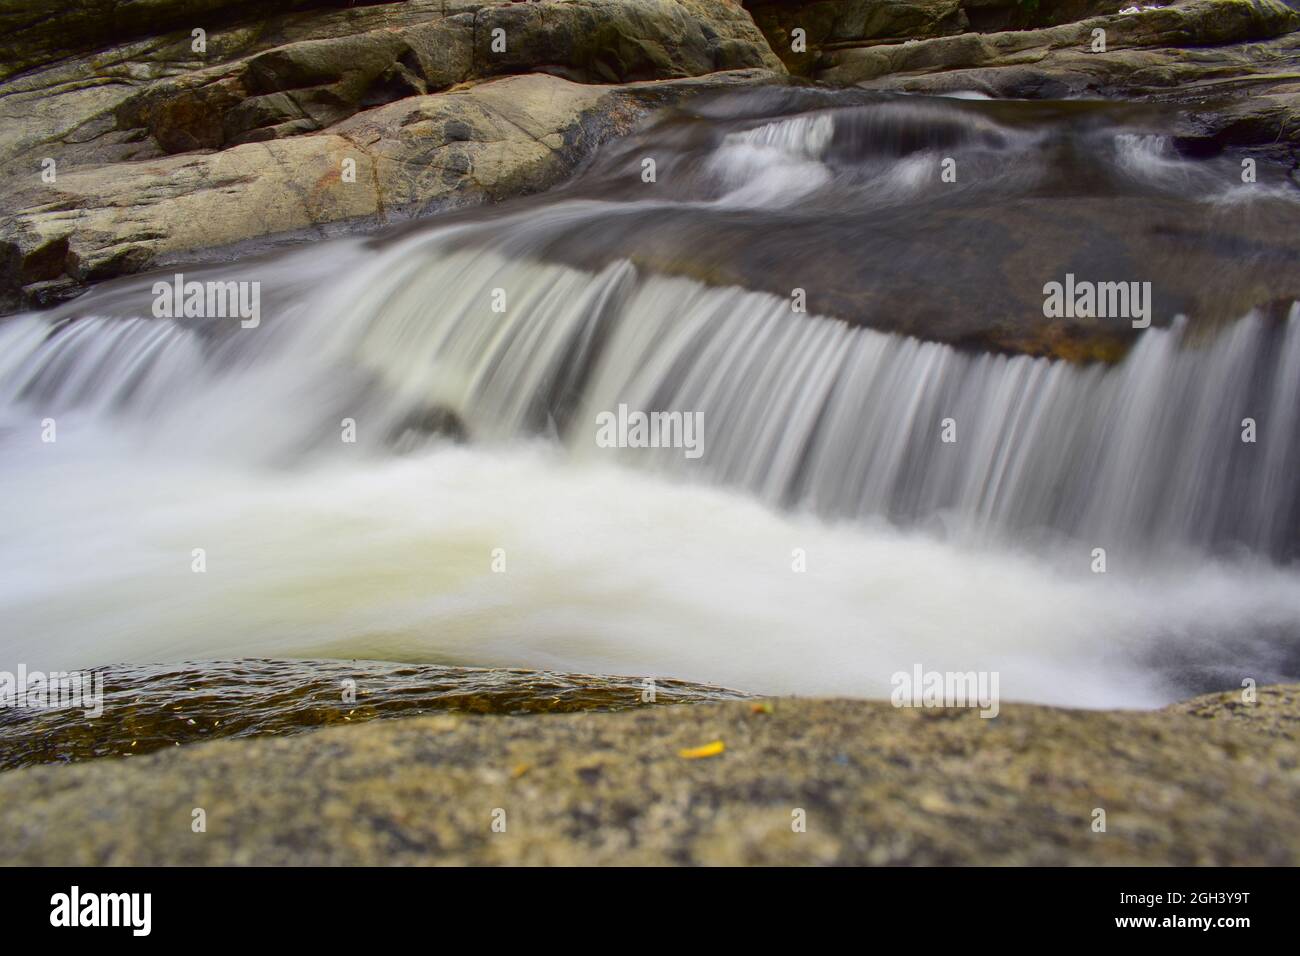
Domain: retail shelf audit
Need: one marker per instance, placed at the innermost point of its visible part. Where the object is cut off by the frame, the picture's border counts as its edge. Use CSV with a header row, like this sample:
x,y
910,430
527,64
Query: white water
x,y
606,571
818,437
169,441
800,410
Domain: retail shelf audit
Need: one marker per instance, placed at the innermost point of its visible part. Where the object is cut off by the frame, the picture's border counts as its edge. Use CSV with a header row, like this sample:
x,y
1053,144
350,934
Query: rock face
x,y
418,155
1194,23
267,77
836,34
113,158
128,141
1213,781
831,25
1235,58
40,31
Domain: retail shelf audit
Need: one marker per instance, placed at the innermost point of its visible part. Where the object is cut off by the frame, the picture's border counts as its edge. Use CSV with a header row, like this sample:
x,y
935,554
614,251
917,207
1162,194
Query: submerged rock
x,y
1212,781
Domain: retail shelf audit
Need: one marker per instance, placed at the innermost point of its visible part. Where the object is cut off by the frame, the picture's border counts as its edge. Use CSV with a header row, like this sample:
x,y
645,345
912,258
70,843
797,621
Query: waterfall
x,y
402,459
804,412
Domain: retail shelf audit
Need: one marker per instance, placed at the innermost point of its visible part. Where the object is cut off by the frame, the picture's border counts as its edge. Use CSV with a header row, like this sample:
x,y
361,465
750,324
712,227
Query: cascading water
x,y
821,435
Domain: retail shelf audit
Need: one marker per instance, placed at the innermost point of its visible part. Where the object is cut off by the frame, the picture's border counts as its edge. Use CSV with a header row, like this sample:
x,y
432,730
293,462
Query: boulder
x,y
421,154
34,32
1210,782
1233,59
299,72
1194,23
829,25
124,142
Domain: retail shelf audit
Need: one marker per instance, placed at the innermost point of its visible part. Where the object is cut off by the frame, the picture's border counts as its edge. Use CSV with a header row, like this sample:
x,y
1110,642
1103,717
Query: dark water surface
x,y
148,708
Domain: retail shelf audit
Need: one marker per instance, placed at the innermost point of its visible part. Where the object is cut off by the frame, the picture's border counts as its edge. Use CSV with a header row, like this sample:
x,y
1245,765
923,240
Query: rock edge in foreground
x,y
1210,781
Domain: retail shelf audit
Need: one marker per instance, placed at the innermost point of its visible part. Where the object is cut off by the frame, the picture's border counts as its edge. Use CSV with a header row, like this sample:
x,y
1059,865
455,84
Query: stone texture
x,y
269,76
1234,74
829,25
160,150
33,32
164,155
1192,23
1234,61
1212,781
421,154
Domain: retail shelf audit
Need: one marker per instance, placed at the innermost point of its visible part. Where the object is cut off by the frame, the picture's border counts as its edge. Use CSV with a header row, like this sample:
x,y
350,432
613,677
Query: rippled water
x,y
148,708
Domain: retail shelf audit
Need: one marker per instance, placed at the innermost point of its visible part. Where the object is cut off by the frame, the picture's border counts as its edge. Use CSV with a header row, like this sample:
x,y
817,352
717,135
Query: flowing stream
x,y
400,461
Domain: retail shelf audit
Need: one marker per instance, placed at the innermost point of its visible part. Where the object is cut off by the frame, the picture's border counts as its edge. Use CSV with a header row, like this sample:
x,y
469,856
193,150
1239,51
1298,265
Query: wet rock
x,y
419,155
1268,117
425,424
830,25
160,706
1234,60
1048,190
1193,23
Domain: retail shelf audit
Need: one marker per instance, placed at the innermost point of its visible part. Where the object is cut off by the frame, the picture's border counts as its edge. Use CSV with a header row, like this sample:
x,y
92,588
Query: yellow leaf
x,y
708,750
